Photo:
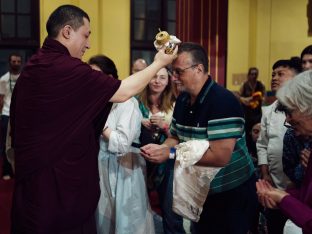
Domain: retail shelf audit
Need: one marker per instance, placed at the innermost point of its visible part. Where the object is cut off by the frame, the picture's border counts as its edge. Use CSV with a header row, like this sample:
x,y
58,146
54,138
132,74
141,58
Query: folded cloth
x,y
190,152
191,183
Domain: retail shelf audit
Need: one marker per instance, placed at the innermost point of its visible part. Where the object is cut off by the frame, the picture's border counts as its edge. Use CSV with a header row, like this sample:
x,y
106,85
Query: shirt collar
x,y
54,45
203,92
205,89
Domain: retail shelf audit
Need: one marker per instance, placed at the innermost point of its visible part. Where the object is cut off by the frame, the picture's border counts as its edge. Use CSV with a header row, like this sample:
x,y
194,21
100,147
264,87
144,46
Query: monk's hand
x,y
155,153
165,59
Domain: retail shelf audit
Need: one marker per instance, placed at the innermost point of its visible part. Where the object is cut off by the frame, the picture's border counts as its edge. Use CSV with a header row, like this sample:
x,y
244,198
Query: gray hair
x,y
296,94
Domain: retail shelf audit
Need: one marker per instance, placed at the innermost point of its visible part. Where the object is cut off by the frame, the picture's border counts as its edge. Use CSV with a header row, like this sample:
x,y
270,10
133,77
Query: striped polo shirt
x,y
215,115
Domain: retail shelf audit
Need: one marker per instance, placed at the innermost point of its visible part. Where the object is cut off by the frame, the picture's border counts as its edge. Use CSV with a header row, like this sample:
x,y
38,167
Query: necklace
x,y
252,87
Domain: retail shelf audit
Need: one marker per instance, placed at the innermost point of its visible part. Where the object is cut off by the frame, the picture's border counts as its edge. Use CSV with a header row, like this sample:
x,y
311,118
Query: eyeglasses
x,y
287,125
177,72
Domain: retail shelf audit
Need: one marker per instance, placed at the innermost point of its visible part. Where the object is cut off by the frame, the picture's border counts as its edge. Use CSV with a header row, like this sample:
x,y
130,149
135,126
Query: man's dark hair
x,y
16,54
65,15
105,64
307,50
293,63
199,55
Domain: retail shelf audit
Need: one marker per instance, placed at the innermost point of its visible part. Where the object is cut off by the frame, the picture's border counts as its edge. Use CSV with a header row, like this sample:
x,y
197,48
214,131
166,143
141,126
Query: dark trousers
x,y
275,221
7,169
172,223
229,212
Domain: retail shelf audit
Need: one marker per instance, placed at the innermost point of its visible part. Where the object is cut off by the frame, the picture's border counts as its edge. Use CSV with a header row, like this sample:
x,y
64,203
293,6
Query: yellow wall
x,y
263,31
110,28
259,33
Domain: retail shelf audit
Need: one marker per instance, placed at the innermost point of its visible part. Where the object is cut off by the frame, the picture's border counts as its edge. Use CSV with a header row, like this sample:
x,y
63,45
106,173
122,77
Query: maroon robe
x,y
54,116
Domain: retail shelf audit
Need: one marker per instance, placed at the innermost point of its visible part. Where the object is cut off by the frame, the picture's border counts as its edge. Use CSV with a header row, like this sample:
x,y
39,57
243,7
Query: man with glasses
x,y
204,110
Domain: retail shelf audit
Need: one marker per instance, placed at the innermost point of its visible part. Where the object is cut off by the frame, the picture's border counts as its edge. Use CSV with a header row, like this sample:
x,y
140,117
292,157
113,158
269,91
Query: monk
x,y
55,128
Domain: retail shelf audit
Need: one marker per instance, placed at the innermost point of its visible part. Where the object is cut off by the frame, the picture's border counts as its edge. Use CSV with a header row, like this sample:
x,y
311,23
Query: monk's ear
x,y
66,30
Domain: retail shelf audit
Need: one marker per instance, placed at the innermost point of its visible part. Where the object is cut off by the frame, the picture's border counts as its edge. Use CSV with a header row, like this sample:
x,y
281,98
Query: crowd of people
x,y
90,150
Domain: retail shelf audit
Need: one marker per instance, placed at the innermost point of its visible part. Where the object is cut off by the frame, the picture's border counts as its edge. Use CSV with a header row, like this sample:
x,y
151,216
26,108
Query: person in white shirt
x,y
7,83
270,142
123,206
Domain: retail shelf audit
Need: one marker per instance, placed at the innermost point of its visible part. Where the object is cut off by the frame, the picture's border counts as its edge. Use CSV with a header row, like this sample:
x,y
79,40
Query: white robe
x,y
123,206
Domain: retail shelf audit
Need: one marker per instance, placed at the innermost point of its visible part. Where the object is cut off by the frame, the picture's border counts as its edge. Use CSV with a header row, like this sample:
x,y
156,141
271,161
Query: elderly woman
x,y
296,204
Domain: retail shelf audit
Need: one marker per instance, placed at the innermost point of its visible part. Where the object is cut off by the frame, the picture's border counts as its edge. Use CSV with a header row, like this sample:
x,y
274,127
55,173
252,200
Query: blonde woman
x,y
156,103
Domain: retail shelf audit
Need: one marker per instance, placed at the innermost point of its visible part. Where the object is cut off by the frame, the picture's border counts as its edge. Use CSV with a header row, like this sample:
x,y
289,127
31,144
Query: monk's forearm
x,y
135,83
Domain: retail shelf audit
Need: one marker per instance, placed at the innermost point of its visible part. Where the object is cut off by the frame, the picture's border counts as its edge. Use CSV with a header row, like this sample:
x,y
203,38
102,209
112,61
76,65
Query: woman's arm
x,y
128,118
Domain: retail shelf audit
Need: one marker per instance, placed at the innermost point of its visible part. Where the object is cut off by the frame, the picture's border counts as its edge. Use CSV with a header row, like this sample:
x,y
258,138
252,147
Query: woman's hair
x,y
105,64
166,97
296,94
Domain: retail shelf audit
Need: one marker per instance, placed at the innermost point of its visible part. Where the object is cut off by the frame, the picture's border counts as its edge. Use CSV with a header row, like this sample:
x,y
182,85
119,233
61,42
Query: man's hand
x,y
155,153
268,196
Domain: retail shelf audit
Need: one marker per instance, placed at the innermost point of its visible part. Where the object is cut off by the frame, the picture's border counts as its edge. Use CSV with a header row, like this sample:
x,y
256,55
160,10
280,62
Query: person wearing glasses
x,y
296,148
296,152
270,142
294,203
204,110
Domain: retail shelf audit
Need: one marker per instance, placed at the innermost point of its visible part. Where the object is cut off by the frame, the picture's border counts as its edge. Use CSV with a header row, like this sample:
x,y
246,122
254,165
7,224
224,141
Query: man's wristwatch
x,y
172,153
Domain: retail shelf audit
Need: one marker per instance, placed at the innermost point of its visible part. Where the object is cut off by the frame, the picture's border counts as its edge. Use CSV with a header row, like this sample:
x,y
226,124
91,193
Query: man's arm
x,y
219,153
135,83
